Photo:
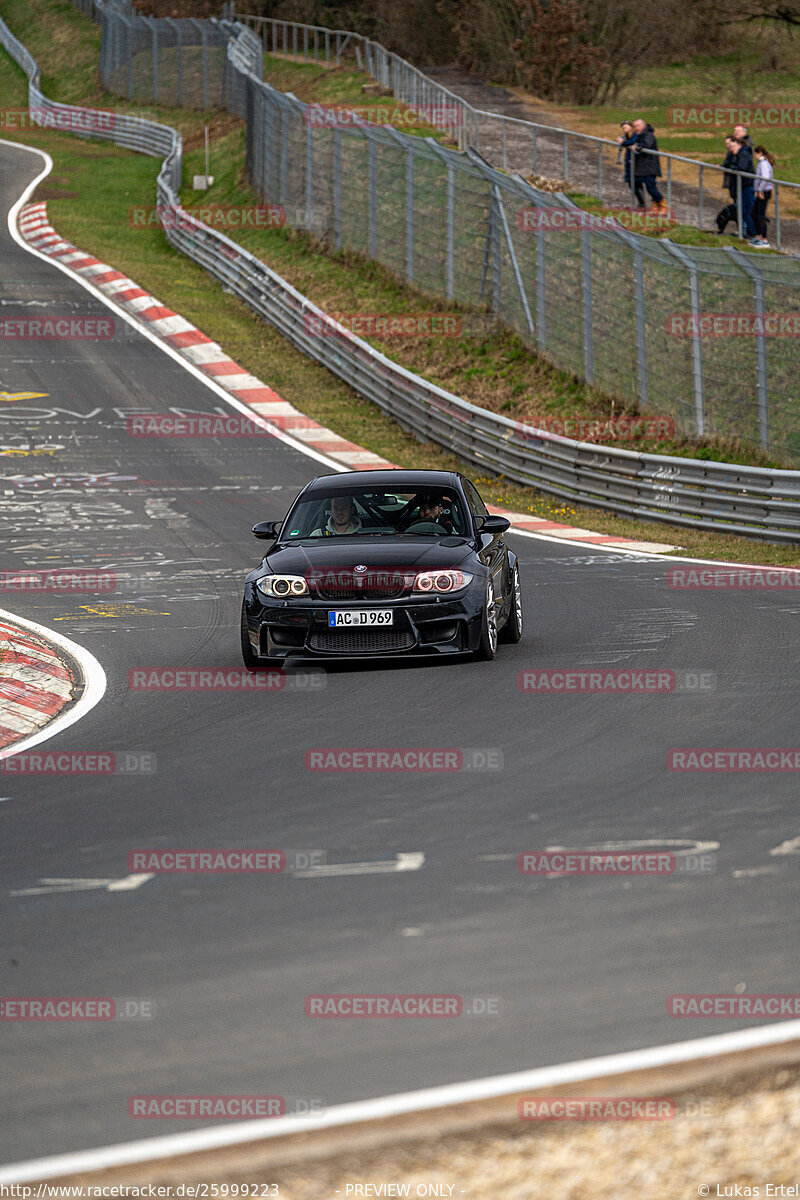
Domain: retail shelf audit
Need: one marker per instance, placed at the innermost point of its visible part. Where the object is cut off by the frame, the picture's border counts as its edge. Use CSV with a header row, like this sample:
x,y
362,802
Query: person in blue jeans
x,y
742,160
646,166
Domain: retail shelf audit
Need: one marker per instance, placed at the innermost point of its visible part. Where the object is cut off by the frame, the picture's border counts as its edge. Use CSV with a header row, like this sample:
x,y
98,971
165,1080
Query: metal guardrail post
x,y
566,155
743,261
372,152
505,147
533,150
410,213
739,203
588,326
700,199
697,342
600,172
669,184
776,190
641,324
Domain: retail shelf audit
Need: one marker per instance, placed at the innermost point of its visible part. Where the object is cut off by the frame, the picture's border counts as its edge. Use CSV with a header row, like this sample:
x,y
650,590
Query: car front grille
x,y
362,641
344,585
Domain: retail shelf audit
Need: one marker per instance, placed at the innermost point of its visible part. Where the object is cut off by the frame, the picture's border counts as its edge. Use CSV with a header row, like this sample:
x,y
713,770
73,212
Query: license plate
x,y
348,617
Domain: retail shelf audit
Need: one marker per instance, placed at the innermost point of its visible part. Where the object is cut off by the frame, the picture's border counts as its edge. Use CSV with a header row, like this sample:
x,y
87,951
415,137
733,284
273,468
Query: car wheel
x,y
251,660
512,630
487,646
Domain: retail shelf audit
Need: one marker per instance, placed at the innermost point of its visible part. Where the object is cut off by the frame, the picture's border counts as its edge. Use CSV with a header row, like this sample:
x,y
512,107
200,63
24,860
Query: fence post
x,y
130,29
337,188
309,177
410,213
179,44
154,36
697,341
541,291
700,200
373,197
641,325
284,192
739,202
533,148
743,261
588,326
600,171
566,155
776,189
205,64
512,254
450,273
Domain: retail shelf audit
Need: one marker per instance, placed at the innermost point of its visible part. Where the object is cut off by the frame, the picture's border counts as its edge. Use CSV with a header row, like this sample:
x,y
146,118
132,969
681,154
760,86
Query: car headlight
x,y
441,581
281,587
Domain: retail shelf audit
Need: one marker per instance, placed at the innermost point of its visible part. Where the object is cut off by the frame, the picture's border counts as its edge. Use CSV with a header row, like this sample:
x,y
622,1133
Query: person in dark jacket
x,y
740,132
626,140
743,161
646,167
728,213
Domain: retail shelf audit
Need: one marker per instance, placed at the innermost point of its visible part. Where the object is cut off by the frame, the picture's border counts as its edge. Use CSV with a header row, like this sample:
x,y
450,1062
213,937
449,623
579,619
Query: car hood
x,y
377,554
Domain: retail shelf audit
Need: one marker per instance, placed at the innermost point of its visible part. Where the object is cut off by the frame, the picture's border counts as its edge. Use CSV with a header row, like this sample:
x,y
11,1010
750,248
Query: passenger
x,y
343,519
430,513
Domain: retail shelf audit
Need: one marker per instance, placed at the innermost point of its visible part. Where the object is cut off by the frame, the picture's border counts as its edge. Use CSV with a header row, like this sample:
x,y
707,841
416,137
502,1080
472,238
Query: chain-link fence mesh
x,y
615,308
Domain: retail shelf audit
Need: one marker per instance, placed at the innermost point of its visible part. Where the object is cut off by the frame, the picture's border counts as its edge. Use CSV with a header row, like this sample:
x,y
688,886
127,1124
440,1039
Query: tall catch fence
x,y
473,244
707,337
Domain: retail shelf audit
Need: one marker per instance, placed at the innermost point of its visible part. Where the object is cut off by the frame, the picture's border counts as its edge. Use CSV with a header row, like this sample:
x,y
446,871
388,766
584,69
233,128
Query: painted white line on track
x,y
195,1141
94,678
206,380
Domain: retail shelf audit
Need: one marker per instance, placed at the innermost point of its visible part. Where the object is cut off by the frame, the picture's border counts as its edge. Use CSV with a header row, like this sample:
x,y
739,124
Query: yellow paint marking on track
x,y
114,610
9,397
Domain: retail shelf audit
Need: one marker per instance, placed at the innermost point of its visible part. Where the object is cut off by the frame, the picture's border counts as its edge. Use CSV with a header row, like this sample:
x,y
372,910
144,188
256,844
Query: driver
x,y
430,512
343,519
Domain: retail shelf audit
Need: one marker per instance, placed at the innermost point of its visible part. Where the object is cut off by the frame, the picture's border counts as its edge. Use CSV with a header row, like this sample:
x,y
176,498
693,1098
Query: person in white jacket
x,y
763,190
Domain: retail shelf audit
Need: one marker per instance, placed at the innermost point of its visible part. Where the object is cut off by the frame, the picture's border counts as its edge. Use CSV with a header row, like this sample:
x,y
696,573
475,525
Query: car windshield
x,y
355,512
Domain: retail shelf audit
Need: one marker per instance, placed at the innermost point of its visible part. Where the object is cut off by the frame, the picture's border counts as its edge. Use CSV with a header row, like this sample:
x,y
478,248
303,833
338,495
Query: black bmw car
x,y
382,563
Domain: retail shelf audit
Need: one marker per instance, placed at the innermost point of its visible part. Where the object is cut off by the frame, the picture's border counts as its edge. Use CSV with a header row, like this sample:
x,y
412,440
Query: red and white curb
x,y
35,683
208,357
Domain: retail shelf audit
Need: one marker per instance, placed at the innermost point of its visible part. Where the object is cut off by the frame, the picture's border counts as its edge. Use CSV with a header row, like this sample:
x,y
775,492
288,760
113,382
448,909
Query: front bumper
x,y
425,625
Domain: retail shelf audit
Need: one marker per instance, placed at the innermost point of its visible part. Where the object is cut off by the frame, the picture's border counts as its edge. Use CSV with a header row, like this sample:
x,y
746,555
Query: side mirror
x,y
495,525
267,529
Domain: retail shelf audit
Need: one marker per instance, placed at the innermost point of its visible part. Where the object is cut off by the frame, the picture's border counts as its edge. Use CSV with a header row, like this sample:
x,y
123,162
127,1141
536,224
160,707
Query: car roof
x,y
397,478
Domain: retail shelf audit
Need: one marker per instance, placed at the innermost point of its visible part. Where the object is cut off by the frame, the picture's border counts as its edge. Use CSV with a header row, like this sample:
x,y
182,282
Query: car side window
x,y
477,507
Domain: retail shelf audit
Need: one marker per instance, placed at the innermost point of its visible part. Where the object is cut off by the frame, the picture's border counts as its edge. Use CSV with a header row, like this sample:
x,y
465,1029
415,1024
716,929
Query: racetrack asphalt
x,y
580,966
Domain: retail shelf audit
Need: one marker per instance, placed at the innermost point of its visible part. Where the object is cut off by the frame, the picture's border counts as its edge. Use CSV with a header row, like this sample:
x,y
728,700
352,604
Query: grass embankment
x,y
94,186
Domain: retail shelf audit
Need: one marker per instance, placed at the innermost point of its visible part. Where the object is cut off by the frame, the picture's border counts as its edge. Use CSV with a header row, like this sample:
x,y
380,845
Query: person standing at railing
x,y
743,161
627,139
729,212
646,165
740,132
763,190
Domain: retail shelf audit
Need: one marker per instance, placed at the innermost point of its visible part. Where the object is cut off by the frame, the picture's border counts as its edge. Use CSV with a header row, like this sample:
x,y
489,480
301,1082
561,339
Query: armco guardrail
x,y
706,495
